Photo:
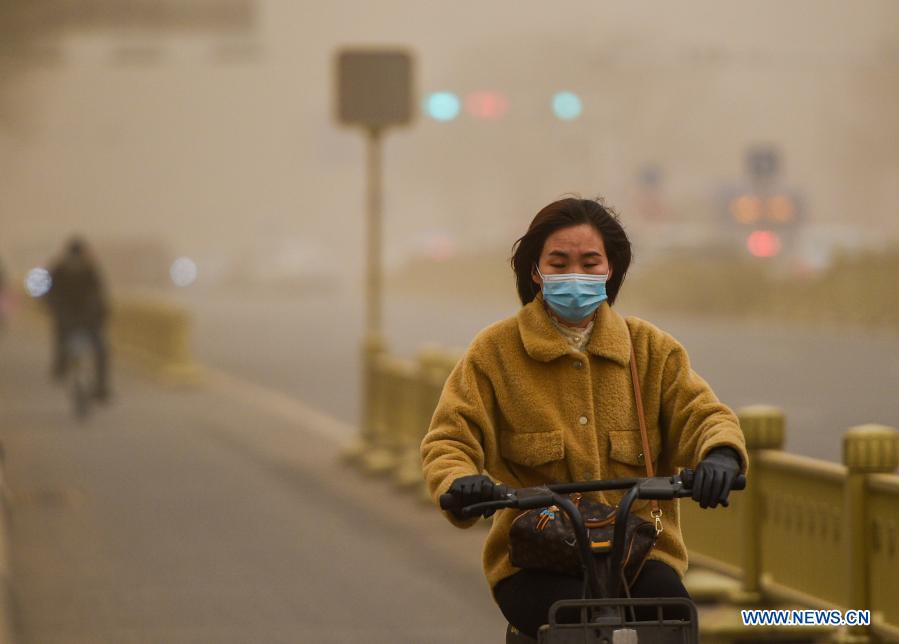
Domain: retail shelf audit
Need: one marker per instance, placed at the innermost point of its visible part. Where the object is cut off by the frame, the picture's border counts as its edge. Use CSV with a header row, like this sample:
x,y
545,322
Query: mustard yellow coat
x,y
525,408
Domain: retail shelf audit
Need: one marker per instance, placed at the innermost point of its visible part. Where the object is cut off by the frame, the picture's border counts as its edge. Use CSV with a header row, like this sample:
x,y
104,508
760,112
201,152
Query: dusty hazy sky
x,y
218,157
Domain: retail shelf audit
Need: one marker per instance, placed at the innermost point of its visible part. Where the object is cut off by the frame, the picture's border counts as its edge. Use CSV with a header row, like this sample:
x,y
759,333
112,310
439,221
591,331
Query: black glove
x,y
469,490
714,477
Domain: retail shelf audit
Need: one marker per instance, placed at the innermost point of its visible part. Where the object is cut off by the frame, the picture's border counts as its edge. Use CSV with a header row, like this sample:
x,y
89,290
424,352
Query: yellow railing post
x,y
373,346
763,428
157,334
435,365
867,449
402,419
390,375
419,417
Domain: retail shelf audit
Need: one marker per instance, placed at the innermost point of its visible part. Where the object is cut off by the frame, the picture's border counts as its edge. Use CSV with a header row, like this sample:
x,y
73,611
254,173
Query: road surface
x,y
216,515
827,379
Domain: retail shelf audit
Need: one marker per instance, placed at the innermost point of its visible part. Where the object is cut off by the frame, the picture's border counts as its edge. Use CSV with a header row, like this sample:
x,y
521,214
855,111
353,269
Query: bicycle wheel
x,y
80,379
81,399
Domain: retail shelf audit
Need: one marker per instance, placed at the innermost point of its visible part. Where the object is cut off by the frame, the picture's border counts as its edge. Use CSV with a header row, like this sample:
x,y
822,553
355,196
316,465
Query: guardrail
x,y
814,532
399,399
823,534
149,331
157,334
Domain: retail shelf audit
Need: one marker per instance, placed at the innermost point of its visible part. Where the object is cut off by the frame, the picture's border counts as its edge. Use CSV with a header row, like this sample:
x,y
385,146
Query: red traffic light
x,y
763,243
487,105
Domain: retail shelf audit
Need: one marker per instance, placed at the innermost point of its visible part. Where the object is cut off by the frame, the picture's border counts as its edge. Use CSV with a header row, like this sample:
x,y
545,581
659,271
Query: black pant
x,y
525,597
94,334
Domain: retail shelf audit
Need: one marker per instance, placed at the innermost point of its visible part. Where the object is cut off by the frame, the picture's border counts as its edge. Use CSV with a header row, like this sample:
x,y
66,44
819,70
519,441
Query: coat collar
x,y
542,341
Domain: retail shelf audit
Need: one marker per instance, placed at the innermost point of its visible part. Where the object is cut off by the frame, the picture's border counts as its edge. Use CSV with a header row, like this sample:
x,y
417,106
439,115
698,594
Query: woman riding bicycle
x,y
546,396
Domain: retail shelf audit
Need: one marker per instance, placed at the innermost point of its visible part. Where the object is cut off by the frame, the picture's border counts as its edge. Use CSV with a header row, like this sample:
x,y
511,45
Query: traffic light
x,y
493,105
750,209
763,243
746,209
781,209
567,106
442,106
487,105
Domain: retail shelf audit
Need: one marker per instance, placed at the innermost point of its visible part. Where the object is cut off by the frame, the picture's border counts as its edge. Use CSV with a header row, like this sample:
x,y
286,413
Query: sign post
x,y
374,90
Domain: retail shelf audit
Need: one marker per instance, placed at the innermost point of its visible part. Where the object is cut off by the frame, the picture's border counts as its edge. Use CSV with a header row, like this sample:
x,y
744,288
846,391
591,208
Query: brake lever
x,y
659,488
476,509
528,498
525,498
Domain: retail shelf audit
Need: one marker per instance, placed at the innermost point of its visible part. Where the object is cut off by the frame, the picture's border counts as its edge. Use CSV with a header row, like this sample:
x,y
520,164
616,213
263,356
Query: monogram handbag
x,y
543,538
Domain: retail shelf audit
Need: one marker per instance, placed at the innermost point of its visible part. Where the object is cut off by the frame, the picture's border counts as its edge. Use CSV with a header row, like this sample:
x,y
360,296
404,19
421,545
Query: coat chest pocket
x,y
627,447
532,448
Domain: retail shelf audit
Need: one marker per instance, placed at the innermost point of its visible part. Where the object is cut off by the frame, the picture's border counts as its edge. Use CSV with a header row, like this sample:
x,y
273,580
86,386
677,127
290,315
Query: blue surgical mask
x,y
573,296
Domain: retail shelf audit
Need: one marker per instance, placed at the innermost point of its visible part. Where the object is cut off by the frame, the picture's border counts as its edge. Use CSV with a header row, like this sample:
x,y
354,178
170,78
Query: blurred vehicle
x,y
819,245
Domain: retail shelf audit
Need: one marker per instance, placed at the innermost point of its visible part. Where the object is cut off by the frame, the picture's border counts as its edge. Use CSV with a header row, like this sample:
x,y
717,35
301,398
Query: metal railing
x,y
149,330
157,334
814,532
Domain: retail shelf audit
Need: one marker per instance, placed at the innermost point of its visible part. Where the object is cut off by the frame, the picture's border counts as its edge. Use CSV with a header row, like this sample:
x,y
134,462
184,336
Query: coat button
x,y
578,364
640,457
583,420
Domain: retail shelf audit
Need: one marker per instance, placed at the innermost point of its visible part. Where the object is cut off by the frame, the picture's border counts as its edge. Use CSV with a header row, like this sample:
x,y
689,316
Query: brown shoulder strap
x,y
647,450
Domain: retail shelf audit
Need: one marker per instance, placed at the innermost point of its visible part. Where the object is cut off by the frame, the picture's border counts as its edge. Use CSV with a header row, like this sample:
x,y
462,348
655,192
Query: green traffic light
x,y
442,106
567,106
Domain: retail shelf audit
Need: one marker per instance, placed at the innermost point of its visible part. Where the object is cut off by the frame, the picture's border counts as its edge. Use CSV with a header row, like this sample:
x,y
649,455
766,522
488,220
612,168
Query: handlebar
x,y
656,488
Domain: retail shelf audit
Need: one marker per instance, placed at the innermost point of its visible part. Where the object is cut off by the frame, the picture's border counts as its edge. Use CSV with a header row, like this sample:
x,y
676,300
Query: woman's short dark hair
x,y
564,213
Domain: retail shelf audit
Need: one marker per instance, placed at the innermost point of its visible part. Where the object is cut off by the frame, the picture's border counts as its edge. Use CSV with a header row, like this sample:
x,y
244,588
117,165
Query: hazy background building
x,y
206,127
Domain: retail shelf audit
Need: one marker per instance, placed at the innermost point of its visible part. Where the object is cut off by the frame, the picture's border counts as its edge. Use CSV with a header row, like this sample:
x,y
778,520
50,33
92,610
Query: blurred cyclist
x,y
77,303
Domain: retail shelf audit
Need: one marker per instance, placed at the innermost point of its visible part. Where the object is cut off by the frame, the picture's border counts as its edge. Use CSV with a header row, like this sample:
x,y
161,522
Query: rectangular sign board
x,y
374,87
